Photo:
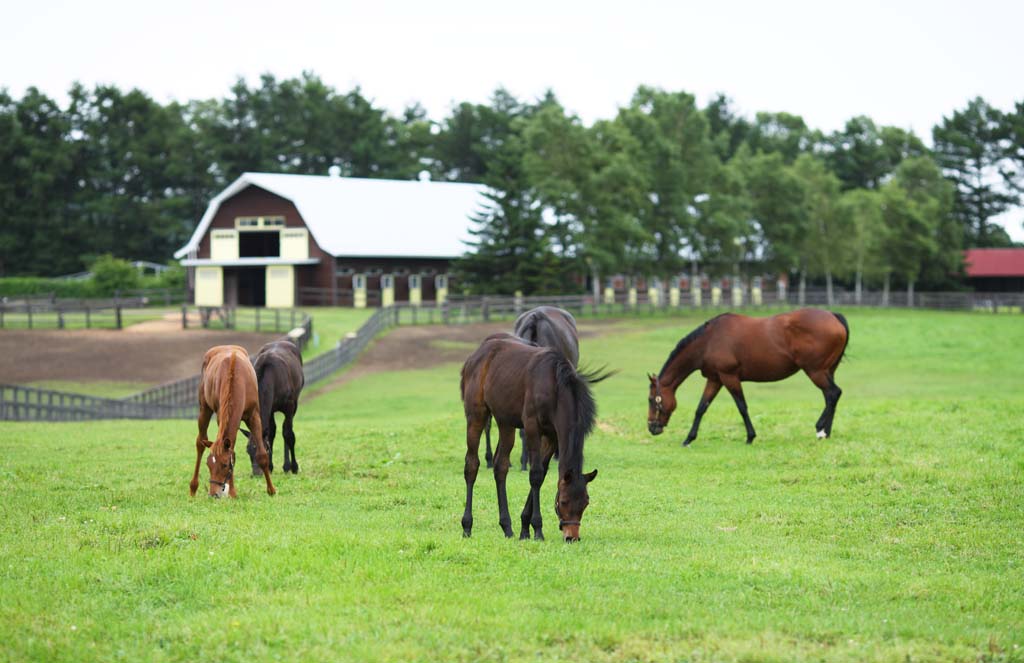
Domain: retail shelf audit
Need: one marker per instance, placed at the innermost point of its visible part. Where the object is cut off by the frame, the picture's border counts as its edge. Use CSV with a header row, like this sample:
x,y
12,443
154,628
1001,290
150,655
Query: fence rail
x,y
177,399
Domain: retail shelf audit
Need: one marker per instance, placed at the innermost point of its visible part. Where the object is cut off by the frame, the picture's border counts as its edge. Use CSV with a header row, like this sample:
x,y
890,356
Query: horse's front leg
x,y
506,440
732,383
488,456
256,431
539,461
531,442
201,439
270,432
710,391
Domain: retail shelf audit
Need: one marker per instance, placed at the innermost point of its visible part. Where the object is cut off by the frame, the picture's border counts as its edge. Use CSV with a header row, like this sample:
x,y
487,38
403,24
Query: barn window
x,y
387,281
273,222
358,281
247,222
414,281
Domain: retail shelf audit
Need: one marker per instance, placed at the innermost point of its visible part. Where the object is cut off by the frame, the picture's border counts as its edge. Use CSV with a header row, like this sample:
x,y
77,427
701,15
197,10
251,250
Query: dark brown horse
x,y
228,387
730,349
278,366
548,327
538,390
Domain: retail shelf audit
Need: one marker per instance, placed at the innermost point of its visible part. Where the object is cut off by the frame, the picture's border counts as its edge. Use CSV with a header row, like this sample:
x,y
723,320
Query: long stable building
x,y
287,240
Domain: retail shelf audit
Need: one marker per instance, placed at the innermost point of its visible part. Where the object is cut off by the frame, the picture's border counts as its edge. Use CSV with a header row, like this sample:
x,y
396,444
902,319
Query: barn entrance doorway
x,y
245,286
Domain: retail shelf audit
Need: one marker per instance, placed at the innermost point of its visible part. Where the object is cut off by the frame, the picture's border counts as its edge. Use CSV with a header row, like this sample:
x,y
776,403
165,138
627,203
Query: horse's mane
x,y
224,416
577,385
685,341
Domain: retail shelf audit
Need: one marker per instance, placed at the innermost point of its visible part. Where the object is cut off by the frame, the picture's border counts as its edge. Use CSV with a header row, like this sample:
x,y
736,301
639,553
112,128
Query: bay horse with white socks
x,y
228,387
731,349
538,390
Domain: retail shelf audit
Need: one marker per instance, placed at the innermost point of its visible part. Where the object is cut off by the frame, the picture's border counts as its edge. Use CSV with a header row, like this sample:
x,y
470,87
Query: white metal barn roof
x,y
350,216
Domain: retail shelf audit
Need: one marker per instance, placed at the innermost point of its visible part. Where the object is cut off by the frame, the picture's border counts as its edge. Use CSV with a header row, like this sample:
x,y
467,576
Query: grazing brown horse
x,y
228,387
730,349
278,367
548,327
536,389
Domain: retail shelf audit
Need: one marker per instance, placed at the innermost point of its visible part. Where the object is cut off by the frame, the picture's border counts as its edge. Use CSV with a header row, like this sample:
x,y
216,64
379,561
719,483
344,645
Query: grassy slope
x,y
900,537
330,324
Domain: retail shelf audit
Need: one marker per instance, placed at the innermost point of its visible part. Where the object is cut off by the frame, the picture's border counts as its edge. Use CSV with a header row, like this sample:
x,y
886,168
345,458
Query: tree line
x,y
665,187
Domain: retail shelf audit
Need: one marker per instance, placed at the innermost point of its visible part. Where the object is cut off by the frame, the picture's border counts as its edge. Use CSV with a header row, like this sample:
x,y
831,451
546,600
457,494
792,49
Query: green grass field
x,y
901,538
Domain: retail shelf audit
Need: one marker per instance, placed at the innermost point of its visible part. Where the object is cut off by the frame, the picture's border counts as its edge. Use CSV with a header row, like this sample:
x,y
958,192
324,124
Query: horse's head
x,y
661,403
571,501
221,462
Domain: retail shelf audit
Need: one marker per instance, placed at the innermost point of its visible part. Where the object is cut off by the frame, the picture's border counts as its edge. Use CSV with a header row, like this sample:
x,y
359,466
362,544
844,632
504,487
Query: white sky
x,y
902,63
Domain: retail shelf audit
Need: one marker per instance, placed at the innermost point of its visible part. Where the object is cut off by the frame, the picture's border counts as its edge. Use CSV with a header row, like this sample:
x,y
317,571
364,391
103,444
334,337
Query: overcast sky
x,y
902,63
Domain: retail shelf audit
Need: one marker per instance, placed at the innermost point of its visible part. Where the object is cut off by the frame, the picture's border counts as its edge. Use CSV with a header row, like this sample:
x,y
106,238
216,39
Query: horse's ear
x,y
591,476
652,378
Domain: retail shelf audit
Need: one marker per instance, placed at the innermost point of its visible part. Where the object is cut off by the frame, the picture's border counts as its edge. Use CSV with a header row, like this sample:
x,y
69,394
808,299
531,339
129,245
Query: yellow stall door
x,y
209,286
280,286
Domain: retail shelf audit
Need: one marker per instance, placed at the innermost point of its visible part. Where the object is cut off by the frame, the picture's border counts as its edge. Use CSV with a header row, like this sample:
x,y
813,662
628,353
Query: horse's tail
x,y
227,418
842,320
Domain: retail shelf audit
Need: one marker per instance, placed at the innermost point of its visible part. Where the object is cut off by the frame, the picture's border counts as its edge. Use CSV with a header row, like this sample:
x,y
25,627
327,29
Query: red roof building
x,y
995,270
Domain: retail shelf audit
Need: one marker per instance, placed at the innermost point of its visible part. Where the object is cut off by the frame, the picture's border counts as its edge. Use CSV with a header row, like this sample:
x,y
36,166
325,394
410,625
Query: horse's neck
x,y
686,362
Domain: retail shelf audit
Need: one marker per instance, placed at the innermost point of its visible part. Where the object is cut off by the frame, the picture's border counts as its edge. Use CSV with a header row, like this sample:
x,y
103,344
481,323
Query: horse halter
x,y
231,474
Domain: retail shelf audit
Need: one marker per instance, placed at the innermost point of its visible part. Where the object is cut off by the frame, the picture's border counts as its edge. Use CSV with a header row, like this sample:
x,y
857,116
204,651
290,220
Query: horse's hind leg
x,y
474,428
506,440
824,380
256,430
732,383
290,464
523,456
204,429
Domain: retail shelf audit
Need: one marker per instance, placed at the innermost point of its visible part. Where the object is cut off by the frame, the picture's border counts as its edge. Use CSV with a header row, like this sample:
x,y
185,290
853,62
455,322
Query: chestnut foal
x,y
228,387
730,349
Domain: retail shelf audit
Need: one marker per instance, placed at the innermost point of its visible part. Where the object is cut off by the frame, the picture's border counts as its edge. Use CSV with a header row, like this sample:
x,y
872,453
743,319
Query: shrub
x,y
110,274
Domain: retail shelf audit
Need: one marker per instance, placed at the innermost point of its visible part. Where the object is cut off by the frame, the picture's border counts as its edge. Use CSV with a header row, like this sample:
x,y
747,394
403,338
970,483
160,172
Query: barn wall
x,y
254,201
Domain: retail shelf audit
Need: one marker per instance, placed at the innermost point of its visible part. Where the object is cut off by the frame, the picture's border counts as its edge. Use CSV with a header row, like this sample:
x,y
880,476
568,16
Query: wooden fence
x,y
177,399
47,313
18,403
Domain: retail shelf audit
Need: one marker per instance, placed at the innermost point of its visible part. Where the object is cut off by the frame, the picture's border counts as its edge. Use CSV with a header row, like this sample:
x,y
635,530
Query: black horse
x,y
548,327
537,390
279,372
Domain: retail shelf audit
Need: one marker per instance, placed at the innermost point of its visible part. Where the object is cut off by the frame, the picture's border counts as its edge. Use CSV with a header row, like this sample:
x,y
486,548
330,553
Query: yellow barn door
x,y
280,286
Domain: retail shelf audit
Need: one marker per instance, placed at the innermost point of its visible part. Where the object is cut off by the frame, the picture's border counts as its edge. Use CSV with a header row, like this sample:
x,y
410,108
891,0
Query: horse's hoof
x,y
539,536
466,533
524,535
686,443
822,435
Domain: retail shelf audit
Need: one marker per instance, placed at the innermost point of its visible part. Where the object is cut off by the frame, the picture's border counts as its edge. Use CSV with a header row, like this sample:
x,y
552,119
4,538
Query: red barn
x,y
995,270
286,240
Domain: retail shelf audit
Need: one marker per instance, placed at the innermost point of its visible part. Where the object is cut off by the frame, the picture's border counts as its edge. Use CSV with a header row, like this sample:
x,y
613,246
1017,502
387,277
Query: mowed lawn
x,y
901,538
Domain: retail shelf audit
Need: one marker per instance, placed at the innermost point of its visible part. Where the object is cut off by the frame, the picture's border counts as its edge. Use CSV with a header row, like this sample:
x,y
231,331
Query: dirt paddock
x,y
99,354
157,352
